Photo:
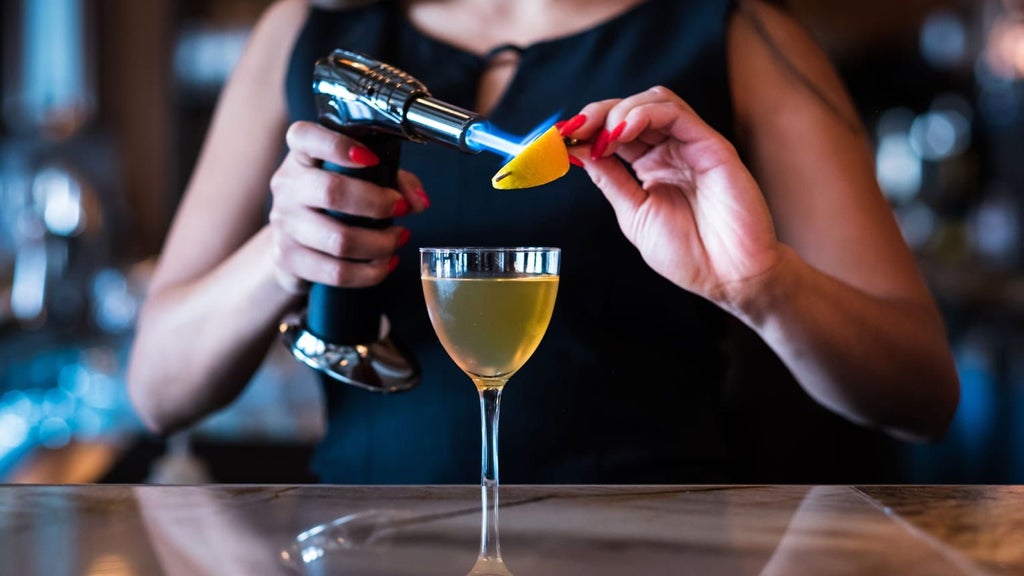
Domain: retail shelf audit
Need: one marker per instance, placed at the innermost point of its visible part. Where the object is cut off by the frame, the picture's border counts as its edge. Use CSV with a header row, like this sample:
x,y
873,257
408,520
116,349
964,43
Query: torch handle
x,y
350,316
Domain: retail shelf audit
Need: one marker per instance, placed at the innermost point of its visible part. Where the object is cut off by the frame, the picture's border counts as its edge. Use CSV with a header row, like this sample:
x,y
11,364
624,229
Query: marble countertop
x,y
544,530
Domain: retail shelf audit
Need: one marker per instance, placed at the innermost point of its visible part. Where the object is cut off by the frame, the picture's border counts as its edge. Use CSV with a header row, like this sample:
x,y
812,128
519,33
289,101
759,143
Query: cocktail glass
x,y
490,308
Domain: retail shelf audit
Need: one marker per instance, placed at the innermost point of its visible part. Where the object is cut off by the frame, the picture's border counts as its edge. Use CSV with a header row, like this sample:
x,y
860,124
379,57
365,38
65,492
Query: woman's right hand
x,y
311,246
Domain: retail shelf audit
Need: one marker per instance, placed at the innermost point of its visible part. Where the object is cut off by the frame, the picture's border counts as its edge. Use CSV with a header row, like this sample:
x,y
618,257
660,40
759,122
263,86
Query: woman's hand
x,y
869,346
693,209
311,246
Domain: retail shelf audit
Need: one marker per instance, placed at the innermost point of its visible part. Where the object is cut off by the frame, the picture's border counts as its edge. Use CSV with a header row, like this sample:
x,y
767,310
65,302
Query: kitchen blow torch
x,y
340,334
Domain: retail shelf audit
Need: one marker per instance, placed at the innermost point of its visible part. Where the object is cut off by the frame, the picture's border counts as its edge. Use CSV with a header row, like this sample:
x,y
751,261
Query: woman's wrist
x,y
755,300
291,285
281,288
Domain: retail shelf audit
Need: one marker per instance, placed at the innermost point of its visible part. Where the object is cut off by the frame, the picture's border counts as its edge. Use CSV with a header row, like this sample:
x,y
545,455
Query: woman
x,y
630,384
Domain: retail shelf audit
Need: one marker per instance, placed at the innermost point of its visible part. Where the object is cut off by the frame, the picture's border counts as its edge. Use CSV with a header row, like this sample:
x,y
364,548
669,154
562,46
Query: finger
x,y
291,283
602,114
595,114
619,186
570,126
411,188
325,190
579,154
607,138
644,119
611,114
623,124
326,234
653,95
314,266
631,151
312,143
699,145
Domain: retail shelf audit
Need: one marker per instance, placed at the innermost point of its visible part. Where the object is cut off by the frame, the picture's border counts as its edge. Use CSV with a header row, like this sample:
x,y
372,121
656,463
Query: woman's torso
x,y
626,386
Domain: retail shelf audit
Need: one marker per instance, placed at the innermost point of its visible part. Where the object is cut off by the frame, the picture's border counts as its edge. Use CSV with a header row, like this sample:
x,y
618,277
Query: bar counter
x,y
544,530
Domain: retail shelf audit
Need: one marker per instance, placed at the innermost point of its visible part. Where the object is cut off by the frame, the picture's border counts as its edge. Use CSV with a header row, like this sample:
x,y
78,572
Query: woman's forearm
x,y
880,362
198,343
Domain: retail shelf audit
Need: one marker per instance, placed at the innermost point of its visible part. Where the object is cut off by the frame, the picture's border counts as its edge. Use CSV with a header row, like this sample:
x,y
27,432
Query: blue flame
x,y
541,128
486,136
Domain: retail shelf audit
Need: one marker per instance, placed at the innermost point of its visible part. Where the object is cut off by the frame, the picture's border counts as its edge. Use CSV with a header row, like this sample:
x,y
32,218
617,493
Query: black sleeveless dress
x,y
629,382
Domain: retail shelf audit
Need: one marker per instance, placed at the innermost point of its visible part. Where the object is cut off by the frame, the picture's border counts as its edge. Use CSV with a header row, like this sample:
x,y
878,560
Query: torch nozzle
x,y
430,119
357,94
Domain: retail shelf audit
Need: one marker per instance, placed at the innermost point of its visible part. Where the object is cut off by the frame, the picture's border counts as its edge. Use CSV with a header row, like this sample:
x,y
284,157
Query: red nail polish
x,y
403,237
600,145
363,156
393,263
572,124
559,125
423,196
575,161
401,208
617,131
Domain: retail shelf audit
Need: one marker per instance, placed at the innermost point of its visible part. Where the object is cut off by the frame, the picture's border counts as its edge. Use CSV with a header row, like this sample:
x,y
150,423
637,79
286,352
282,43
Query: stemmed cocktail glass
x,y
490,308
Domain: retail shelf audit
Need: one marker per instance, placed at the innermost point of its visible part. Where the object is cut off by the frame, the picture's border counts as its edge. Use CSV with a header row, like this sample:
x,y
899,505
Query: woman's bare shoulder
x,y
283,19
283,15
771,49
269,46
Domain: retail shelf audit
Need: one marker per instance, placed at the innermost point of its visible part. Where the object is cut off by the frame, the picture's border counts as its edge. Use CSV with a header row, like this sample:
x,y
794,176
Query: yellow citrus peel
x,y
545,159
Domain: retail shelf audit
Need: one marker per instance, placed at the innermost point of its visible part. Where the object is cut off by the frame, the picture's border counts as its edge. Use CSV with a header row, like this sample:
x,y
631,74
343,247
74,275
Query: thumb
x,y
619,186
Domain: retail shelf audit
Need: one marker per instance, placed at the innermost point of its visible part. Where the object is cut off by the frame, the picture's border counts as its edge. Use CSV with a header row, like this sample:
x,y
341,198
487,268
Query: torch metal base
x,y
377,366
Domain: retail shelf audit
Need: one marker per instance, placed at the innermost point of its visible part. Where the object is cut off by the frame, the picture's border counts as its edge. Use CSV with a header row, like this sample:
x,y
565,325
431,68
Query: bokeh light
x,y
943,39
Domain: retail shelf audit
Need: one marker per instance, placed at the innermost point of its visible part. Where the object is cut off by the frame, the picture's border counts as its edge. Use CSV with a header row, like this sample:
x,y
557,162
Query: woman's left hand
x,y
693,209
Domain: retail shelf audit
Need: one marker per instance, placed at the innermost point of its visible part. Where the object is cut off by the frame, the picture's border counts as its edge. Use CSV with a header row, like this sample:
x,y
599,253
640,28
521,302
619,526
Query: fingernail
x,y
559,125
617,131
363,156
403,237
423,196
575,161
401,208
600,145
572,124
393,263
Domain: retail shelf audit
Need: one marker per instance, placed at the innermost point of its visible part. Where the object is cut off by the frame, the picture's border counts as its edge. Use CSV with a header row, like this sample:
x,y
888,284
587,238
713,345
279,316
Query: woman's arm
x,y
214,299
847,310
225,278
808,253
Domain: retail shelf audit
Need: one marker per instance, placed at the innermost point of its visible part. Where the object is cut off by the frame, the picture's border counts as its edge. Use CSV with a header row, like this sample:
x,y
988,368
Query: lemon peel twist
x,y
545,159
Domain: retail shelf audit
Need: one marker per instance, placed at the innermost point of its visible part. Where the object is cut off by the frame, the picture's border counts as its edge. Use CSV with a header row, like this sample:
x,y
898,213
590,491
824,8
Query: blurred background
x,y
103,106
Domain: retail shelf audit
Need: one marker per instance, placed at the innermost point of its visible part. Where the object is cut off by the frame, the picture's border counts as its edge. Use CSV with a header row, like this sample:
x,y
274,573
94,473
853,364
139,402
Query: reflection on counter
x,y
595,530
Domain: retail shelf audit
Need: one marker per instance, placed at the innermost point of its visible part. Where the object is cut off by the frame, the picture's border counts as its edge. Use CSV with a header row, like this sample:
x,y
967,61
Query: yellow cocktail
x,y
490,326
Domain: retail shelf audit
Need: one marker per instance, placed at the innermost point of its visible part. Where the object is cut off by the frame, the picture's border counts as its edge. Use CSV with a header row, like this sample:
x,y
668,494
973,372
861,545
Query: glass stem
x,y
490,403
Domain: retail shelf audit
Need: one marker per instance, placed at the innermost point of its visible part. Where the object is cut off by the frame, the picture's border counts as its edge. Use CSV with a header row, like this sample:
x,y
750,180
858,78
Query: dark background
x,y
90,175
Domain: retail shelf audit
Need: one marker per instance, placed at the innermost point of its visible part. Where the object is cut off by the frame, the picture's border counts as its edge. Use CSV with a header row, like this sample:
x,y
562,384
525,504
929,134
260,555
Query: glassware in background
x,y
59,193
490,308
50,88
